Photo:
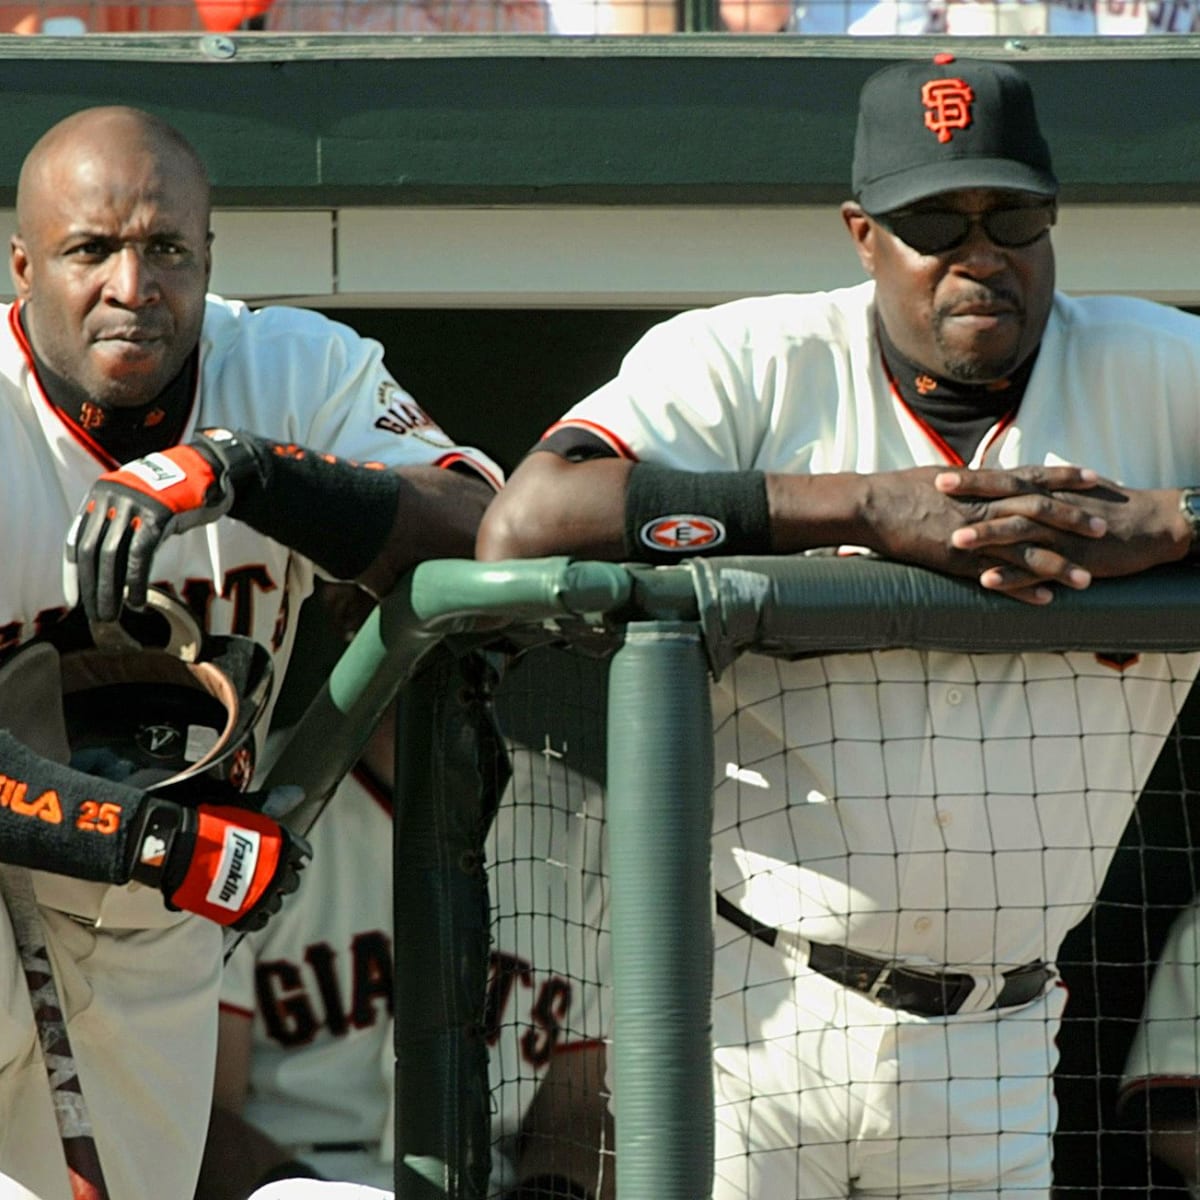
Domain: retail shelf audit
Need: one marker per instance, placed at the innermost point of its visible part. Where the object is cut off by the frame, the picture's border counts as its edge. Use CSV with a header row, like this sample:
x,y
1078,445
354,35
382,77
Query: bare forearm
x,y
556,507
437,515
809,511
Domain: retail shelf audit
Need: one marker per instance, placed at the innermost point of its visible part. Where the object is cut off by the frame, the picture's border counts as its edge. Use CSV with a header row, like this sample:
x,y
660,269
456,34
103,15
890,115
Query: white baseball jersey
x,y
943,810
318,981
140,982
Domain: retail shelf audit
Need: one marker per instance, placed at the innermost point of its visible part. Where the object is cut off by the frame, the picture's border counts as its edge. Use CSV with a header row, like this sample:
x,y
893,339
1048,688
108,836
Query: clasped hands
x,y
1020,531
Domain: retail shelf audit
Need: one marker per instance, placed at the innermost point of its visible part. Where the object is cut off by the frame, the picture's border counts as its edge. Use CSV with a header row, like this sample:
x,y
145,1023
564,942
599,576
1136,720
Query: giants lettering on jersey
x,y
298,1000
403,416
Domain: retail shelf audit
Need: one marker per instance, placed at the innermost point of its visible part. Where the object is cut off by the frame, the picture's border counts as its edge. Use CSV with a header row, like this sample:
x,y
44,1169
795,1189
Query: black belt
x,y
335,1148
927,994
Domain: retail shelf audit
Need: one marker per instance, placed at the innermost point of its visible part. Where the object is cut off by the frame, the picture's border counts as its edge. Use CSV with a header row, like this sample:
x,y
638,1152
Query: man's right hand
x,y
231,864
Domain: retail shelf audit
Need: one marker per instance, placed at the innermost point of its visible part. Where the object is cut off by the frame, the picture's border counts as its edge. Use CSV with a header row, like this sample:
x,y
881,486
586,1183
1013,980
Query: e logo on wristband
x,y
682,533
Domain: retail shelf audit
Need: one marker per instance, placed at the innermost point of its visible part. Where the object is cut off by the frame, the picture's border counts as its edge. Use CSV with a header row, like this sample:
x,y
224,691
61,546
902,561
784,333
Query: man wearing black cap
x,y
902,840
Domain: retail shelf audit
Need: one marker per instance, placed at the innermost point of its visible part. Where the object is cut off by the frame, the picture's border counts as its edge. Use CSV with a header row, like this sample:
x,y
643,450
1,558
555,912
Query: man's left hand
x,y
1136,528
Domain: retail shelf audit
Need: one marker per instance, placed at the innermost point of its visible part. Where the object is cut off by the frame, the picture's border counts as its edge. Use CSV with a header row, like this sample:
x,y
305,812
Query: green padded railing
x,y
676,626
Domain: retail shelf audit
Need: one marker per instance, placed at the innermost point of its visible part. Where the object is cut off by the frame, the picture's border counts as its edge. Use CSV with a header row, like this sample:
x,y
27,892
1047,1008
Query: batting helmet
x,y
152,702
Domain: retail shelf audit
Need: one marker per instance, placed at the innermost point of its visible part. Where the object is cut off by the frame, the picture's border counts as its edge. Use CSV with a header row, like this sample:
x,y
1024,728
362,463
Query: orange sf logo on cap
x,y
948,104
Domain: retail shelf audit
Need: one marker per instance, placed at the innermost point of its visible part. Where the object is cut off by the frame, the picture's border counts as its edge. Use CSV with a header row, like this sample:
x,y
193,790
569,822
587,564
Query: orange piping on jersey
x,y
943,447
952,456
582,1044
449,460
1004,422
620,448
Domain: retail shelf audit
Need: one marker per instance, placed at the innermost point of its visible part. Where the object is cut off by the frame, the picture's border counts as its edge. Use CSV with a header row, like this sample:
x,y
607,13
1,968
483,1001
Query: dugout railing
x,y
665,633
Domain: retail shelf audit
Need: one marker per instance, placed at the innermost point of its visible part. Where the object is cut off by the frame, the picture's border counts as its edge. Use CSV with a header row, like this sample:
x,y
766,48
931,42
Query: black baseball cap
x,y
928,127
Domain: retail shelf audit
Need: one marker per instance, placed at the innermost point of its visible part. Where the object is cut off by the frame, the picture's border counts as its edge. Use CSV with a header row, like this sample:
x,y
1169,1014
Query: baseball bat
x,y
33,688
70,1108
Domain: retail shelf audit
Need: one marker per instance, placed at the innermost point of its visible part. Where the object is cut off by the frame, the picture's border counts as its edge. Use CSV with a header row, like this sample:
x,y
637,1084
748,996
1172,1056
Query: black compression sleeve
x,y
57,819
336,512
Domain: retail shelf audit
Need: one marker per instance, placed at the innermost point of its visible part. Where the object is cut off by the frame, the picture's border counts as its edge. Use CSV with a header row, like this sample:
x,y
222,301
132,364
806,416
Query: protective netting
x,y
947,810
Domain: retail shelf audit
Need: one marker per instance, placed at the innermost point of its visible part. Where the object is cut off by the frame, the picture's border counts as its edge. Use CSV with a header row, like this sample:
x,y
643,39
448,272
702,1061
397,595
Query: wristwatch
x,y
1189,505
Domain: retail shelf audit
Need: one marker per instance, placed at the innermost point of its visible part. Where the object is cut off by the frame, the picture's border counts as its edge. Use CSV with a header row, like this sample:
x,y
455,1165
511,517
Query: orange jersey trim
x,y
450,460
620,448
951,455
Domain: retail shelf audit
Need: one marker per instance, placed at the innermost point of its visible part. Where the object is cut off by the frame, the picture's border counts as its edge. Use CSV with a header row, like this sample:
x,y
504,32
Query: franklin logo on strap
x,y
232,880
948,104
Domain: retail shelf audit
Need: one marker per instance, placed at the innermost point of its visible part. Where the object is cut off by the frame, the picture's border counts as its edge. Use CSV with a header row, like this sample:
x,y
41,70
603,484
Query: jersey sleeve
x,y
1163,1066
298,376
367,415
687,395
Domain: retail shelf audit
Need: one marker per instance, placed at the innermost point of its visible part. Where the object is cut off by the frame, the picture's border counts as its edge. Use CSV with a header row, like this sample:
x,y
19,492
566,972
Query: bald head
x,y
108,130
111,257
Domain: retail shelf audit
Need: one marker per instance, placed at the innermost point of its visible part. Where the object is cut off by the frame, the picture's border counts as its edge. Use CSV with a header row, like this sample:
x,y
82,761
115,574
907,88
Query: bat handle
x,y
70,1107
87,1177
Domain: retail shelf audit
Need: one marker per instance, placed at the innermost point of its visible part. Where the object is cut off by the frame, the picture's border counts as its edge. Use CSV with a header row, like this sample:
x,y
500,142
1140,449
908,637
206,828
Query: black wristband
x,y
672,514
337,513
549,1187
292,1169
162,826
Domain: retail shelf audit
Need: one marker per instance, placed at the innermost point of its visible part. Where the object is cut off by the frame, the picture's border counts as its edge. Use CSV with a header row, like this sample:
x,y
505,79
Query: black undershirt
x,y
125,433
960,413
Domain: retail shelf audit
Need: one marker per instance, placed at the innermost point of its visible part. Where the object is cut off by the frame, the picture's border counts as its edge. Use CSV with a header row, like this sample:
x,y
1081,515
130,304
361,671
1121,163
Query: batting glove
x,y
230,864
130,511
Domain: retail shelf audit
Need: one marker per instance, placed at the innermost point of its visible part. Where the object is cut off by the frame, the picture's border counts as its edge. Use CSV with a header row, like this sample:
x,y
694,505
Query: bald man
x,y
158,436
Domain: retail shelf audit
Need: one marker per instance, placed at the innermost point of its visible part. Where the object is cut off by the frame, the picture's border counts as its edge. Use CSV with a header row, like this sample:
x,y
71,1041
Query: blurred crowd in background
x,y
1023,18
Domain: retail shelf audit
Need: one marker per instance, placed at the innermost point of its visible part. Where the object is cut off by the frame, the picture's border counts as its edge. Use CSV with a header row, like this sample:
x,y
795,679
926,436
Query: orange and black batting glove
x,y
131,510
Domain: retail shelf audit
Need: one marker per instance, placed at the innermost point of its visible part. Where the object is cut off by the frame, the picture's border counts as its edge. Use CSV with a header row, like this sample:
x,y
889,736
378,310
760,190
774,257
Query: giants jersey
x,y
944,809
282,373
318,981
318,984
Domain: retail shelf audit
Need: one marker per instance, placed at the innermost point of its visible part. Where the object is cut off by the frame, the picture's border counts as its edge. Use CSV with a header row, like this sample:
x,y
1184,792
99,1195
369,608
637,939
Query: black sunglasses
x,y
936,230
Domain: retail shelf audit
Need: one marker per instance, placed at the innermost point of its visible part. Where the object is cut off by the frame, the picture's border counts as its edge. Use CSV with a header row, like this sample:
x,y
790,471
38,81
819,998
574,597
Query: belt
x,y
335,1148
926,993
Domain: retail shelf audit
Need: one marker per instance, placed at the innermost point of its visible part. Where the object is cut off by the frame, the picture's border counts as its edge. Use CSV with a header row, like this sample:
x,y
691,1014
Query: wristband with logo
x,y
672,514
